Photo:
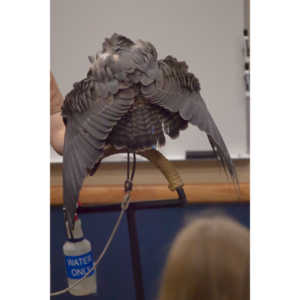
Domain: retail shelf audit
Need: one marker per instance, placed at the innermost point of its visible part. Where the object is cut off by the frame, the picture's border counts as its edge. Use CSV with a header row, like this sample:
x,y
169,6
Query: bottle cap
x,y
77,233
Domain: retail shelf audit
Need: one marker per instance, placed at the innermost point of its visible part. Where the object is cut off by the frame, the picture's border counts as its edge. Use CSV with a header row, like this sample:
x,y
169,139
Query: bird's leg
x,y
165,166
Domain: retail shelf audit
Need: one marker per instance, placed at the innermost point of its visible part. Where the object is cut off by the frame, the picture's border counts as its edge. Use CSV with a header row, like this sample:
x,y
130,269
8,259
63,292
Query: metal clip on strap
x,y
128,185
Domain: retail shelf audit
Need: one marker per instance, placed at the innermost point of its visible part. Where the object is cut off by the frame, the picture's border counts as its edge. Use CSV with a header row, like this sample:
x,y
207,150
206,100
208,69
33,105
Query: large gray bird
x,y
130,99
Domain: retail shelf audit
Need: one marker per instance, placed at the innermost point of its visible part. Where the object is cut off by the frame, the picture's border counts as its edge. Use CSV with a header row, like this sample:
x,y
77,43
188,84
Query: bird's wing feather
x,y
86,132
94,107
177,90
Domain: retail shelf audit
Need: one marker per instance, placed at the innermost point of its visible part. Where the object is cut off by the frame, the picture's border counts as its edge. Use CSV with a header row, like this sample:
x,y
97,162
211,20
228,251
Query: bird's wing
x,y
94,107
177,90
89,120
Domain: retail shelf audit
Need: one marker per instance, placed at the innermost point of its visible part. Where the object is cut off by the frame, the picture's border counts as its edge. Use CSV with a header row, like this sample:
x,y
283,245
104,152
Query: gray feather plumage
x,y
130,99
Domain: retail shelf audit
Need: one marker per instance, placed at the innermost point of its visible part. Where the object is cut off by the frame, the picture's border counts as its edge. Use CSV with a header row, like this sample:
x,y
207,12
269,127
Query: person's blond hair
x,y
208,260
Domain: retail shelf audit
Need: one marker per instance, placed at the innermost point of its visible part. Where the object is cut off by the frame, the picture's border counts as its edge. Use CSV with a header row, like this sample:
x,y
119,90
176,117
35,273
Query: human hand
x,y
57,126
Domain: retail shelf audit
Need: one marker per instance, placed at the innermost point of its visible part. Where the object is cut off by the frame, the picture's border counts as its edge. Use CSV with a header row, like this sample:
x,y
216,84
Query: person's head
x,y
208,260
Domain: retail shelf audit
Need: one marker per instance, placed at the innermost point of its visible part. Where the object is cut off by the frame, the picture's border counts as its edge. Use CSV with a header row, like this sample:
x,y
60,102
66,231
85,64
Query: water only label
x,y
78,266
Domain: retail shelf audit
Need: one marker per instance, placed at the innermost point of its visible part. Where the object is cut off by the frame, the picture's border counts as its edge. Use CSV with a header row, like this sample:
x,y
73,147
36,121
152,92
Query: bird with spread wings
x,y
129,100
